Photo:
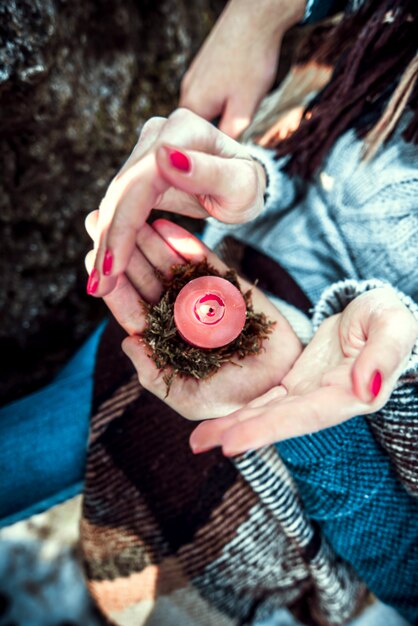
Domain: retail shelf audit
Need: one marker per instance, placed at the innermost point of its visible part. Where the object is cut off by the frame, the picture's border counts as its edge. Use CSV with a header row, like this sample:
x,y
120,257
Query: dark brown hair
x,y
375,49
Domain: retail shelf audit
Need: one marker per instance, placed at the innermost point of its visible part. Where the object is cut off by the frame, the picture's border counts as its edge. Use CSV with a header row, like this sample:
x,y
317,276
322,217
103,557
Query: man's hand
x,y
237,63
159,247
349,368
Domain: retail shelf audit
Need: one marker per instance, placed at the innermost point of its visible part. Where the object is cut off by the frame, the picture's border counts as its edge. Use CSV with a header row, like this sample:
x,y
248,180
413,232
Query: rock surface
x,y
77,81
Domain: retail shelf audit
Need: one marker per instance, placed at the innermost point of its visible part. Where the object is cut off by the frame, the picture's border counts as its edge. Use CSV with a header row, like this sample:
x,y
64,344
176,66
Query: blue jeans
x,y
43,440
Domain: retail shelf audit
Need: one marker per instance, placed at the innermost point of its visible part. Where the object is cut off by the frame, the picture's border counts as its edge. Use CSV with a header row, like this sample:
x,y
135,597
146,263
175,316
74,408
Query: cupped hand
x,y
237,63
349,368
181,164
159,247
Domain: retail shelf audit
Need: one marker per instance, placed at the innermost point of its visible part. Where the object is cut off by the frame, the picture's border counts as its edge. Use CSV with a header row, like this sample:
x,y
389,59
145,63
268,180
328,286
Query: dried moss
x,y
175,356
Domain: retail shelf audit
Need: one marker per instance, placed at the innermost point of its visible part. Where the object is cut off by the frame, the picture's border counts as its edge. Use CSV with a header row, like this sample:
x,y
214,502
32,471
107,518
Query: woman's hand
x,y
181,164
160,246
349,368
237,64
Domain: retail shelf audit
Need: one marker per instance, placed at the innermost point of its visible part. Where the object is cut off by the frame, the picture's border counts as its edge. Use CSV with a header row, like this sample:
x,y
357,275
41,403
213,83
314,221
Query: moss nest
x,y
173,355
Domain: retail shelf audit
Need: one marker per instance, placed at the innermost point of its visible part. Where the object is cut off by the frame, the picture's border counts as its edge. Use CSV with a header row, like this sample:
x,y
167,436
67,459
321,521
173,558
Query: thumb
x,y
148,373
383,358
230,189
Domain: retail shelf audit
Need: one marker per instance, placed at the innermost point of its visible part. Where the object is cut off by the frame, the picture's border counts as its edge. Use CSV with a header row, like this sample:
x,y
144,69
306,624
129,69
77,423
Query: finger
x,y
148,136
133,194
206,107
229,189
237,115
148,373
380,363
185,129
125,304
89,260
190,248
208,434
104,263
177,201
142,276
91,222
94,277
290,417
156,250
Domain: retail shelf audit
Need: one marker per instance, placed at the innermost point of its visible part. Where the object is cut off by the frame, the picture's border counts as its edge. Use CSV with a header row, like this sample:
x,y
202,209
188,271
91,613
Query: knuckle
x,y
120,229
149,378
181,115
154,123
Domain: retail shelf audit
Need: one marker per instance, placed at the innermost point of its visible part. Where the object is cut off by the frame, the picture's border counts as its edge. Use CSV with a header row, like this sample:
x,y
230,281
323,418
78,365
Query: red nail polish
x,y
376,383
107,263
179,160
93,282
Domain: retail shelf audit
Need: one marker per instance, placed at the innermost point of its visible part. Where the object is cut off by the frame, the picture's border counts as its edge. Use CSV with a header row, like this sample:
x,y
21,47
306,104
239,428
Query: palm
x,y
229,389
159,247
330,381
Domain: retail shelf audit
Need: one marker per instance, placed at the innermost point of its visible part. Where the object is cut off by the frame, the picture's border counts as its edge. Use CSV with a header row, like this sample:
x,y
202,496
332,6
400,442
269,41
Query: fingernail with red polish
x,y
93,282
179,160
107,263
376,383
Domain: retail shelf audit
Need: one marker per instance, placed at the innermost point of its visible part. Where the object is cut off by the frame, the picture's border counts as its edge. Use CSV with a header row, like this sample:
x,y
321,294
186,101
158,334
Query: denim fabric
x,y
43,440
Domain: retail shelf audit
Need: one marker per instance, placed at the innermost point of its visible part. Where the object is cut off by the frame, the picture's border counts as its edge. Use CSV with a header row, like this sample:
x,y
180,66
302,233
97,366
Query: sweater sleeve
x,y
348,478
280,194
281,190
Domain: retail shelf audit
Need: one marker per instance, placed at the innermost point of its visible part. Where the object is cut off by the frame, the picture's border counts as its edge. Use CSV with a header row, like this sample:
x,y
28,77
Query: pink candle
x,y
209,312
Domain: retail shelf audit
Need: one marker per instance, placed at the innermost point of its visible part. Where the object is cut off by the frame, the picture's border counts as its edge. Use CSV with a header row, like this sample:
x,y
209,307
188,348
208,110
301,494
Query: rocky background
x,y
77,81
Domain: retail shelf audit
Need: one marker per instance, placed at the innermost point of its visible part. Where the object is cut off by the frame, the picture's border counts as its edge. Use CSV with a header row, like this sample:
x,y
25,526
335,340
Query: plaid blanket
x,y
171,538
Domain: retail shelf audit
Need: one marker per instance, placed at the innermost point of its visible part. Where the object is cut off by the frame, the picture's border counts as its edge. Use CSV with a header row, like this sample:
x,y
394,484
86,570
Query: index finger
x,y
141,186
104,258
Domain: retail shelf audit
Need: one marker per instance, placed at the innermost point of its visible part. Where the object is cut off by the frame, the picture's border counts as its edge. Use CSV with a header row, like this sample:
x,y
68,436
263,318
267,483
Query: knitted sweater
x,y
354,222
